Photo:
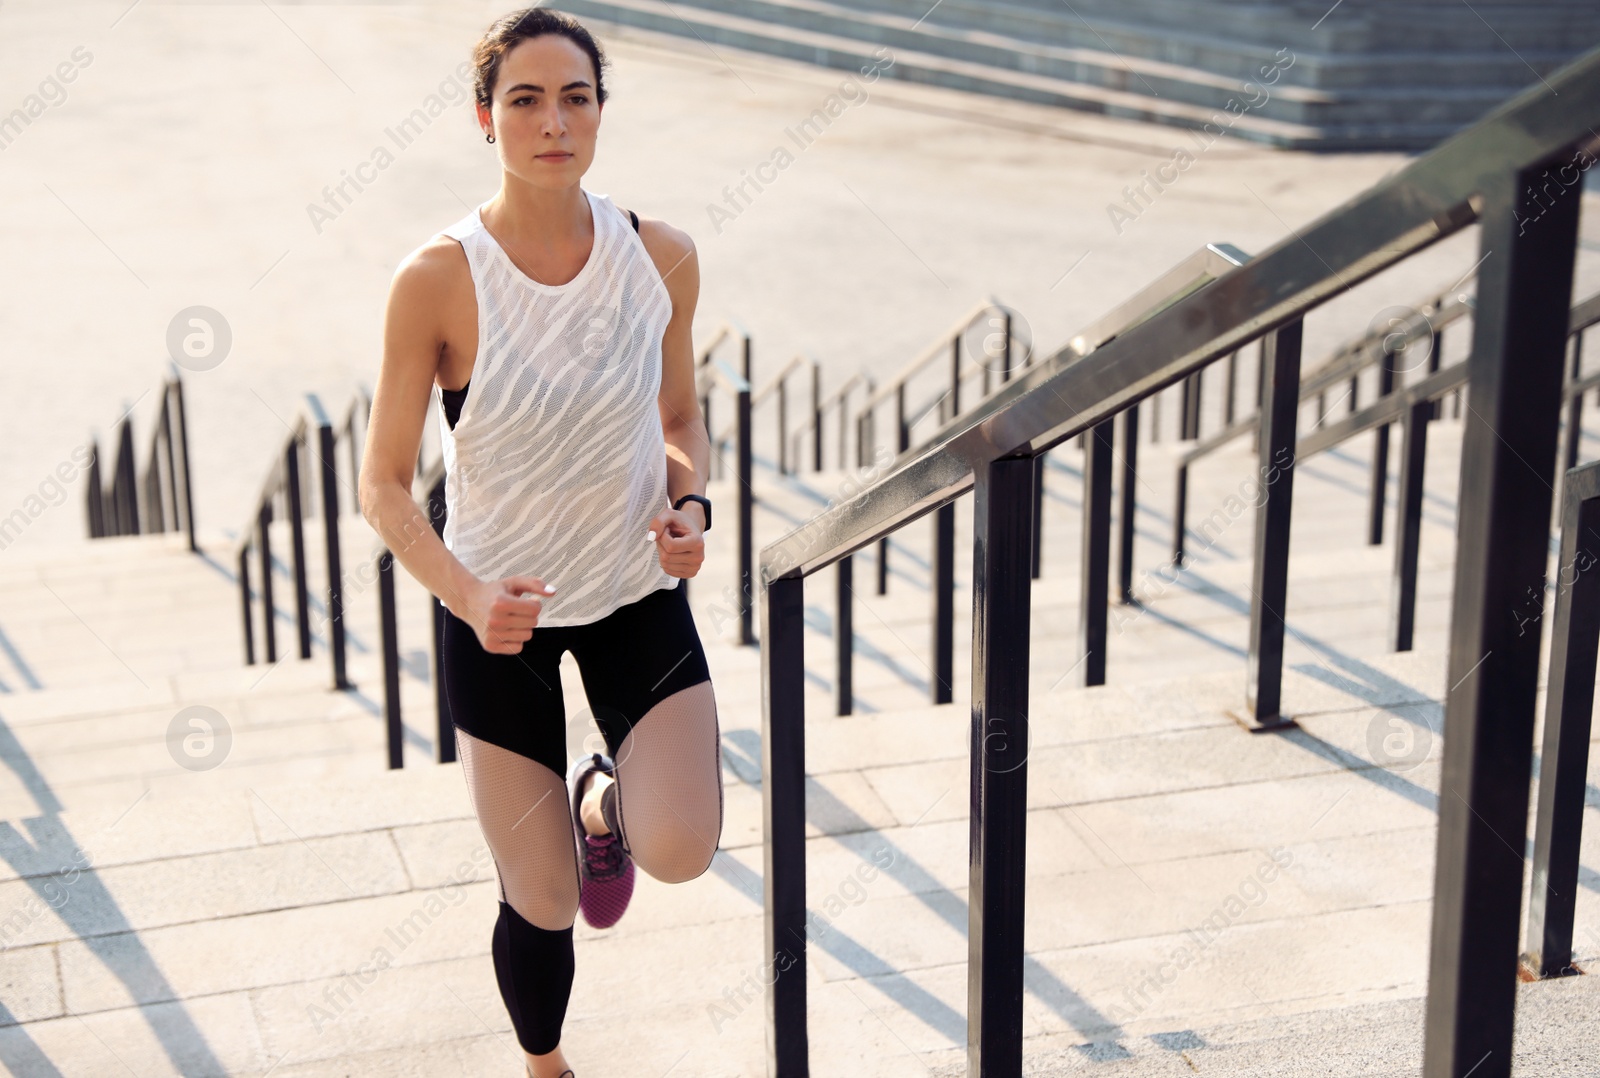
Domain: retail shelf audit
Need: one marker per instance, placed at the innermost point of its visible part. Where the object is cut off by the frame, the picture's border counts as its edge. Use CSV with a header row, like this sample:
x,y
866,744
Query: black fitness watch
x,y
705,504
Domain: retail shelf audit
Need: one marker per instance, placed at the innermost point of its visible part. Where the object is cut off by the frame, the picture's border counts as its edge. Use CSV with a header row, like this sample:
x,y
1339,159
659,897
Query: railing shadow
x,y
42,859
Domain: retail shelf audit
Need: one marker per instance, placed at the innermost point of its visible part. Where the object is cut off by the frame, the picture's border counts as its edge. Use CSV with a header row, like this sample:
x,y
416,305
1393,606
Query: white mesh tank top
x,y
557,463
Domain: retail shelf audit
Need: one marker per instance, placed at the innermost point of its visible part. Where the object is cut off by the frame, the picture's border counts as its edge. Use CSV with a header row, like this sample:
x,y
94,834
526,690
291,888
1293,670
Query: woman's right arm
x,y
424,287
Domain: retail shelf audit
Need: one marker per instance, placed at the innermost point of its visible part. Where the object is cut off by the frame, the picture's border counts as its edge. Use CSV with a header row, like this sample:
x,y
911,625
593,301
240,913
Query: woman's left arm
x,y
679,533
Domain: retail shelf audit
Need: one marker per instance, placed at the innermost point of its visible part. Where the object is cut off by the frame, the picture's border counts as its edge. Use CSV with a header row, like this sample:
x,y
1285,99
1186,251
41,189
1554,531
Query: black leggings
x,y
649,691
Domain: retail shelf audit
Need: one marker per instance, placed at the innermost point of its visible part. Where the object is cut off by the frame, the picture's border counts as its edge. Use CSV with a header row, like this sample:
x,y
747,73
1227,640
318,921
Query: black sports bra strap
x,y
634,217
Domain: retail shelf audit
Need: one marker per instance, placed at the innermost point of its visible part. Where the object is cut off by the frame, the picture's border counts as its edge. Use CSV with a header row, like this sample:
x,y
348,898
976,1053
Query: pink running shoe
x,y
605,871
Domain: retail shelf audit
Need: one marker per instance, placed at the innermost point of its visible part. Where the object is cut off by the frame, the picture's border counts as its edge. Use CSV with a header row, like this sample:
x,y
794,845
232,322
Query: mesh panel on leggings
x,y
523,812
669,786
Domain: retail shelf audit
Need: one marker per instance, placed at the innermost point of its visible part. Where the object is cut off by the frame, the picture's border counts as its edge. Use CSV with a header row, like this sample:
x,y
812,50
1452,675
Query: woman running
x,y
556,327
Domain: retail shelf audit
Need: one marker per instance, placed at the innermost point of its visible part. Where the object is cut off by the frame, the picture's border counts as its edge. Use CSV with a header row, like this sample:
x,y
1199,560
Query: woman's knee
x,y
676,854
543,901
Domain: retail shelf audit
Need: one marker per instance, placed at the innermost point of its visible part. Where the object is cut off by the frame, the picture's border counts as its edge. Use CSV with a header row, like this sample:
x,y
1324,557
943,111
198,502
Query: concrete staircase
x,y
1394,76
298,910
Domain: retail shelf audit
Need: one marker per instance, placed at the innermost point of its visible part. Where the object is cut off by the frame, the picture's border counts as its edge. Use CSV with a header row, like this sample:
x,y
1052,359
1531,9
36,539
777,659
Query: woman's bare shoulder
x,y
673,252
437,270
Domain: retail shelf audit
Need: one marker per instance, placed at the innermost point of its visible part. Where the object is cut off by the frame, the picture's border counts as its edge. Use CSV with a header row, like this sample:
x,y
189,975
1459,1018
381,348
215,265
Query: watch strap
x,y
705,504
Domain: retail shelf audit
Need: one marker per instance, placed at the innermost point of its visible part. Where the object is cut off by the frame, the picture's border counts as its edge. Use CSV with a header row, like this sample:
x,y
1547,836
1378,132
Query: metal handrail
x,y
934,351
428,491
779,384
1485,173
161,498
775,383
1345,364
285,478
710,373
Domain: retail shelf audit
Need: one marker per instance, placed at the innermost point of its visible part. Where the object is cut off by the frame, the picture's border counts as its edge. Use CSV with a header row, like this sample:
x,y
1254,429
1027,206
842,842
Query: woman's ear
x,y
485,119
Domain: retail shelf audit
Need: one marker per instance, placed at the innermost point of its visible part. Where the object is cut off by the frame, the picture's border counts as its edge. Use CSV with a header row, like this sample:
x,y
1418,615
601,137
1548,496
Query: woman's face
x,y
544,113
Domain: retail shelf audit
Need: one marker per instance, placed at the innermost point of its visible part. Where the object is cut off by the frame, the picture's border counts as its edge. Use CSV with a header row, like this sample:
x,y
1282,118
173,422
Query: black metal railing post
x,y
1230,388
1189,413
716,451
1379,490
844,637
94,502
997,870
1408,543
1005,369
1180,514
746,536
1270,578
902,442
329,474
1568,719
444,725
185,491
125,483
1515,371
1128,504
1096,561
269,628
169,463
783,816
955,375
783,425
297,545
944,603
244,595
389,629
816,417
1039,464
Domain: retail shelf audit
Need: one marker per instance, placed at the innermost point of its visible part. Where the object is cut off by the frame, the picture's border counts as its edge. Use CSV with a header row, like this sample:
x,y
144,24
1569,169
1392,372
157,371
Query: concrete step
x,y
343,908
1213,34
840,49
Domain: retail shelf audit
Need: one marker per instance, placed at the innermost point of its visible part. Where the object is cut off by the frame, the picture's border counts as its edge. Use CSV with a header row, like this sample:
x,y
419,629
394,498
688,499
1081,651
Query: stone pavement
x,y
300,911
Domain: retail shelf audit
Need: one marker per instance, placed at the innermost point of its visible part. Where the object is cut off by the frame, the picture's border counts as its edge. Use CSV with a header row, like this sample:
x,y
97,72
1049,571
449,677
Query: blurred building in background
x,y
1308,74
